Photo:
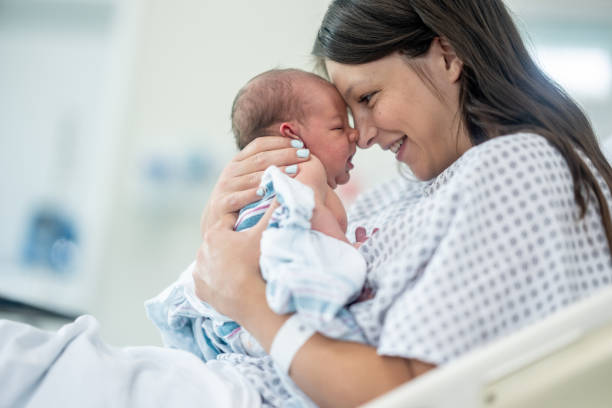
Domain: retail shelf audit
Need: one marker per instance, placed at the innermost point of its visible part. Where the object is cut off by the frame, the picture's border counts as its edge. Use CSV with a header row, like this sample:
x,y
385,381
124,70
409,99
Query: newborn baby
x,y
309,265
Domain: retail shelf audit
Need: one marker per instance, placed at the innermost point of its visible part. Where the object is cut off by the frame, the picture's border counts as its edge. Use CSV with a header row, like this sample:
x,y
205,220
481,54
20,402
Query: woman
x,y
513,224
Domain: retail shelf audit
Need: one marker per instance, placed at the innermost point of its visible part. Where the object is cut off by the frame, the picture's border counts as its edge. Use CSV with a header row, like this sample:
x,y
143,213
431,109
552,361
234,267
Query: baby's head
x,y
298,105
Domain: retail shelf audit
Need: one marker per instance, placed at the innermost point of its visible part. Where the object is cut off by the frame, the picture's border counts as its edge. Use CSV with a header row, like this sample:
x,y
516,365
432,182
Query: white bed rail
x,y
563,361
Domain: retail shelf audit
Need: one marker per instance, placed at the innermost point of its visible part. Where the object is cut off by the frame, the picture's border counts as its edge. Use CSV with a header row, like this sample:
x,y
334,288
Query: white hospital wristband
x,y
290,337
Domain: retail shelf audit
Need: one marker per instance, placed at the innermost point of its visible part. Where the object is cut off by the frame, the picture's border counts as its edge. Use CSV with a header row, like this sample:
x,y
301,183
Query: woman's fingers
x,y
232,195
228,221
263,144
266,151
262,224
245,191
239,181
234,202
246,182
253,180
280,158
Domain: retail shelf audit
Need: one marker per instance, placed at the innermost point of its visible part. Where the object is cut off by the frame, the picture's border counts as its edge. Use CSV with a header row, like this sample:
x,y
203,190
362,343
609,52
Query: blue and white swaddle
x,y
252,213
306,271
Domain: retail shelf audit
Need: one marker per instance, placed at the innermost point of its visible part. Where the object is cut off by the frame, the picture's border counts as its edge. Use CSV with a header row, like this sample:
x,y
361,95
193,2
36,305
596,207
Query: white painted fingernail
x,y
291,169
303,153
260,192
297,143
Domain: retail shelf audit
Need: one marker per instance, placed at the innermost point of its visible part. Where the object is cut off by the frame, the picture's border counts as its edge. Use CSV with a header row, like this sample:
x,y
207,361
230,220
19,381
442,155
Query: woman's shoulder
x,y
518,156
519,148
507,158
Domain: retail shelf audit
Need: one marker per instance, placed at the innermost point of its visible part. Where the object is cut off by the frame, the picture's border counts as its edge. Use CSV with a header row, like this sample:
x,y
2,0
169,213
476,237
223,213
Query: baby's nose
x,y
354,135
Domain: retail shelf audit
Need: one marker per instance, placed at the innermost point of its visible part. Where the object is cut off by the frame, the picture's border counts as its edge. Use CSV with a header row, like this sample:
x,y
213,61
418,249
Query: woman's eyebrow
x,y
356,83
348,92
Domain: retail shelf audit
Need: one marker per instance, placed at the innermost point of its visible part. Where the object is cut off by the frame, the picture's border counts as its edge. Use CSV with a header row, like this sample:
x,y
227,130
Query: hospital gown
x,y
490,245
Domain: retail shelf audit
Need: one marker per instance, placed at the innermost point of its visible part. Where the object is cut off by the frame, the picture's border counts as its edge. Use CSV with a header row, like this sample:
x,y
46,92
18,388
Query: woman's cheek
x,y
384,115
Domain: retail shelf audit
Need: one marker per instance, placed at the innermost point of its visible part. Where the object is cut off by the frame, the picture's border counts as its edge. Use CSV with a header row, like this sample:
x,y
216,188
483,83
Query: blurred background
x,y
114,125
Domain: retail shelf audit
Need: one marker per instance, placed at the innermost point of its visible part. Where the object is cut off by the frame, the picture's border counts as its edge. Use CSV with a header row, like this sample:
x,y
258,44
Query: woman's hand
x,y
227,274
237,185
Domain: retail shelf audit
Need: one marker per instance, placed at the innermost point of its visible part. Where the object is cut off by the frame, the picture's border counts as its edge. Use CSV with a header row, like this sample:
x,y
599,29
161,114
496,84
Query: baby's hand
x,y
361,236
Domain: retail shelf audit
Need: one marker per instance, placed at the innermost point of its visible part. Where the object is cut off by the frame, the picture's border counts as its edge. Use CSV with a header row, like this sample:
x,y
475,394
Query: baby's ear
x,y
289,129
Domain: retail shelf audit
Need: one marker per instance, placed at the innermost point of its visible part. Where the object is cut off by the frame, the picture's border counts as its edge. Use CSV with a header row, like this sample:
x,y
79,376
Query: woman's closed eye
x,y
366,98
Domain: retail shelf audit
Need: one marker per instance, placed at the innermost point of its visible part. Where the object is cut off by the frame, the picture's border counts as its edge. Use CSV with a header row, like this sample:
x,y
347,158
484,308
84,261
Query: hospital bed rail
x,y
563,361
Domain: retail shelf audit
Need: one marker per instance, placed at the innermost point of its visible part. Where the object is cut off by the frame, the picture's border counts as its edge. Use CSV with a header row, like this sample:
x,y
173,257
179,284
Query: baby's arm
x,y
328,214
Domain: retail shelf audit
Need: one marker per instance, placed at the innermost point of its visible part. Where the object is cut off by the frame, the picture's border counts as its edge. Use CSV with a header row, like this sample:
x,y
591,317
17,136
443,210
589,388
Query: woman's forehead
x,y
346,77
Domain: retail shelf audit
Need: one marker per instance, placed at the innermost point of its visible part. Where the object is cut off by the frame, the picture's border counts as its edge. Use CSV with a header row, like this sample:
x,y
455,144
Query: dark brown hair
x,y
502,89
269,98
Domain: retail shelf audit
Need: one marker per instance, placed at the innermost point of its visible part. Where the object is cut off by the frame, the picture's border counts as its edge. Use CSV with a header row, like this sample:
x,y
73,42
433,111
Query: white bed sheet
x,y
73,367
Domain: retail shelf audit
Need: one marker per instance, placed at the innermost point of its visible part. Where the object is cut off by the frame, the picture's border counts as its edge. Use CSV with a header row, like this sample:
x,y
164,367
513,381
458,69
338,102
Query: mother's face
x,y
395,108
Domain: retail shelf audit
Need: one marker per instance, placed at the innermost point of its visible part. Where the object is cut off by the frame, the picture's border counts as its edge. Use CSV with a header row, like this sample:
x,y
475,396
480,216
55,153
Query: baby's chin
x,y
342,179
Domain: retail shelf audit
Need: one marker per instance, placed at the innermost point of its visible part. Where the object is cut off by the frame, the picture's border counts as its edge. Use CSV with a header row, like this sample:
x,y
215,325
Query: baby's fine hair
x,y
267,99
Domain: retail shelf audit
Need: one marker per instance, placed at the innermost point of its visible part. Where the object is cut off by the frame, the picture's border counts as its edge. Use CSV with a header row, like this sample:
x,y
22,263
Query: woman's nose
x,y
366,136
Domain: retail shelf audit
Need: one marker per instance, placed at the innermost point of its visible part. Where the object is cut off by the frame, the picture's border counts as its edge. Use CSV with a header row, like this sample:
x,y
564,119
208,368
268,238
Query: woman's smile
x,y
395,147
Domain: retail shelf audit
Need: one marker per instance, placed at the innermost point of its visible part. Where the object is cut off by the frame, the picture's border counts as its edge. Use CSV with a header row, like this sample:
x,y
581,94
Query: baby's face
x,y
327,132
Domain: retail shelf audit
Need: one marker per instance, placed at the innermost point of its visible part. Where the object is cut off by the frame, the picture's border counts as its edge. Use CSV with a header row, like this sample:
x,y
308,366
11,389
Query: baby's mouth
x,y
349,162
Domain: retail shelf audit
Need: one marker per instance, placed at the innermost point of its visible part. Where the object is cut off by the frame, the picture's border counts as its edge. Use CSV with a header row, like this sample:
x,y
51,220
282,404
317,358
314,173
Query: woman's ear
x,y
289,129
453,65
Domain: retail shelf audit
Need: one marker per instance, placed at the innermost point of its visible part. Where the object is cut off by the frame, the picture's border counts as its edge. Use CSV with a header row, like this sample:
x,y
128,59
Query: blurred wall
x,y
173,70
192,58
572,41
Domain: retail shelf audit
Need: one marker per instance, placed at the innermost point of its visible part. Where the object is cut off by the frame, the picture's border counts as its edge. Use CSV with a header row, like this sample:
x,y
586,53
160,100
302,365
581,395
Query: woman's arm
x,y
337,373
332,372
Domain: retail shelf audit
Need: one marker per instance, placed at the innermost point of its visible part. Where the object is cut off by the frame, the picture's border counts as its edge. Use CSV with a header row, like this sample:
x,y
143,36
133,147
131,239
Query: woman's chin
x,y
420,173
